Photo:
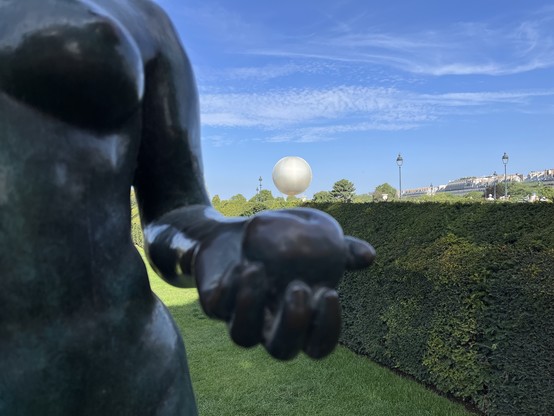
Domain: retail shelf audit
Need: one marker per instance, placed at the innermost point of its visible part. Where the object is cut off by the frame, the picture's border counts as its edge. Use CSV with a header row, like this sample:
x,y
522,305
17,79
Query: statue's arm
x,y
169,173
175,210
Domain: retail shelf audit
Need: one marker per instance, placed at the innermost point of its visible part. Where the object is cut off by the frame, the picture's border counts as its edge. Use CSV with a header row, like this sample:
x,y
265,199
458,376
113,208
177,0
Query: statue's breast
x,y
71,62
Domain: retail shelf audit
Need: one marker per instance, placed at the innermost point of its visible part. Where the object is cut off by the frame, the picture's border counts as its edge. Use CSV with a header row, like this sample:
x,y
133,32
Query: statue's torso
x,y
80,331
70,91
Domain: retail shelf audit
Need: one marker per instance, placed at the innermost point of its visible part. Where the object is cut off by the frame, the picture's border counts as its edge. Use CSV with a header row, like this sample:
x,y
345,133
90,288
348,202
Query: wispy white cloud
x,y
267,72
296,106
484,98
218,140
331,132
473,48
344,59
323,114
504,46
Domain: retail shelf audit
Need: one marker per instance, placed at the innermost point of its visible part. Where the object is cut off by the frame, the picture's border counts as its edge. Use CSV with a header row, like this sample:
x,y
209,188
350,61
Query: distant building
x,y
463,186
426,190
545,176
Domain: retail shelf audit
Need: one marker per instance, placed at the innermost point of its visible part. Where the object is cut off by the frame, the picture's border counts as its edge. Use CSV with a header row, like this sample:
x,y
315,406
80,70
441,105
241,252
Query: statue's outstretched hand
x,y
273,279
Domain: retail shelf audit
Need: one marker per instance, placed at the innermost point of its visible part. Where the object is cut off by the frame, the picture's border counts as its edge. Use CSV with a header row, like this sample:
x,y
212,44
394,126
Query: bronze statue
x,y
97,96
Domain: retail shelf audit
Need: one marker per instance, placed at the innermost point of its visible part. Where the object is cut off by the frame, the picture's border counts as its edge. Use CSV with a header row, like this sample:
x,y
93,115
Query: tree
x,y
518,191
382,190
360,199
238,198
322,196
474,195
253,208
293,201
233,207
216,200
264,195
276,203
343,191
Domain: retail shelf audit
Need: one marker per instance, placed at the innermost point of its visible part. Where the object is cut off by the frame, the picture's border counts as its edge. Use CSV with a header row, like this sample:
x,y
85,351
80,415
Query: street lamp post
x,y
494,175
505,159
399,162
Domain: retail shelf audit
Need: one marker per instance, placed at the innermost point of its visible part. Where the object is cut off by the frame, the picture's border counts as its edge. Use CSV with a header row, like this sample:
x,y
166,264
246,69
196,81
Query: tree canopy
x,y
518,191
264,195
322,196
384,189
238,198
343,191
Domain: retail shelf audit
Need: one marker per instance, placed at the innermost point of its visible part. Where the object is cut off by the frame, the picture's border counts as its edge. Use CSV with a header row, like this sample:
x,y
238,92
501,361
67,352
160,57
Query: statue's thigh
x,y
138,368
146,375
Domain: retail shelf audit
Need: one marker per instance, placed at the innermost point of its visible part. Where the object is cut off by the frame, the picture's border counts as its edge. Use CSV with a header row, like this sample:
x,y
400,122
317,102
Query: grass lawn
x,y
229,380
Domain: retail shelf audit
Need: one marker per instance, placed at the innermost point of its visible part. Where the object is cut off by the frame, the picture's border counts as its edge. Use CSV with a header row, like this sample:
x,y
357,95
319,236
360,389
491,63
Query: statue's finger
x,y
359,253
246,324
217,298
217,282
324,331
284,332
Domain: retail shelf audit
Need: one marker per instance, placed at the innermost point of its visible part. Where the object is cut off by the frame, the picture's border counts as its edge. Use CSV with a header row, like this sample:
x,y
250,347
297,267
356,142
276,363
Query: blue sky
x,y
348,84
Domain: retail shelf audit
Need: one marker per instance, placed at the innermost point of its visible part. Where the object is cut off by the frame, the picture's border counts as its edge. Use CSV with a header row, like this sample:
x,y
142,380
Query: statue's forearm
x,y
172,240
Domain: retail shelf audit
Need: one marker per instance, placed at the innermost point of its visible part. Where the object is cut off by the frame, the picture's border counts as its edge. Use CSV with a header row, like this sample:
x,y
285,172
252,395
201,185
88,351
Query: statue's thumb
x,y
359,254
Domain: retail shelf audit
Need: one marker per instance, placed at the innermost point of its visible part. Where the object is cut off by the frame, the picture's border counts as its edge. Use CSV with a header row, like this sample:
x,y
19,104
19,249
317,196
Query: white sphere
x,y
292,175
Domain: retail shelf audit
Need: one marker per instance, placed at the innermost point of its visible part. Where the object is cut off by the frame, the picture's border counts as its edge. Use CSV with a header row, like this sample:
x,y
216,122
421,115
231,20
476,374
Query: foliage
x,y
238,198
343,191
216,200
519,190
474,195
362,198
384,189
461,297
233,207
264,195
322,196
448,198
238,206
253,208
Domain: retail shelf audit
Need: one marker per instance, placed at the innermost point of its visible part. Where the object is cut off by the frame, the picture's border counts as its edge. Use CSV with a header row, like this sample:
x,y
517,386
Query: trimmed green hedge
x,y
461,297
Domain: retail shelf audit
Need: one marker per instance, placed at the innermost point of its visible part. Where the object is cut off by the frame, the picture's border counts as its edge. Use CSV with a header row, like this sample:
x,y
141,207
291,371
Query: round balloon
x,y
292,175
